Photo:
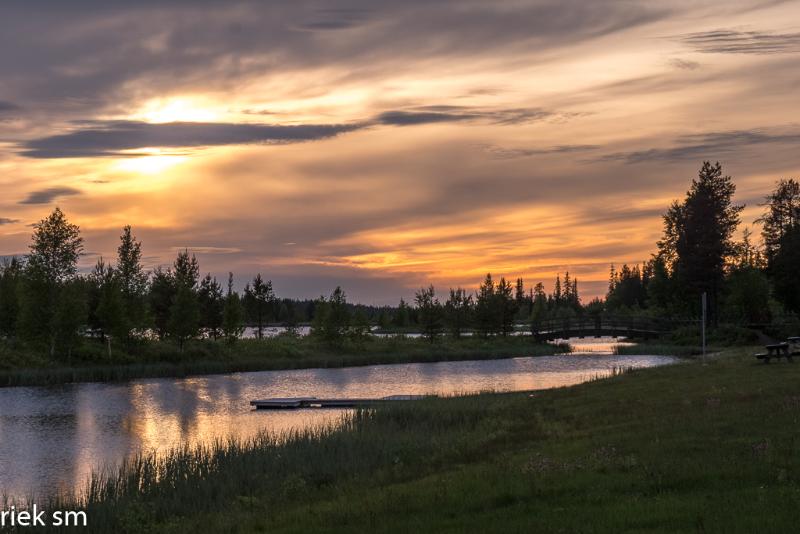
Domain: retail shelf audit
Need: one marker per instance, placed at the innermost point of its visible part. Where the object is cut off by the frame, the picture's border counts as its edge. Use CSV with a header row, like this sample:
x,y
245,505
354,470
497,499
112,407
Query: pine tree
x,y
259,300
782,214
110,311
211,303
458,312
133,282
429,312
698,236
486,316
505,307
184,316
163,289
233,314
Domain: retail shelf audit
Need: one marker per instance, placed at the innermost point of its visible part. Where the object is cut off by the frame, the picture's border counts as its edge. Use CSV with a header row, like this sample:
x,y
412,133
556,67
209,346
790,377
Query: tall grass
x,y
399,441
22,367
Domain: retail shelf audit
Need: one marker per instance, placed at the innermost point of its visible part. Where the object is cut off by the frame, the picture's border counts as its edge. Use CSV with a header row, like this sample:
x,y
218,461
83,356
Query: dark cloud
x,y
705,146
6,220
445,113
112,138
7,106
497,152
92,55
742,42
684,64
45,196
335,19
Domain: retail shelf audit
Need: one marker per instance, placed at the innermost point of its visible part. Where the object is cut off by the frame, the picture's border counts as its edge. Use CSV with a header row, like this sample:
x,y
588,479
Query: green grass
x,y
22,366
683,448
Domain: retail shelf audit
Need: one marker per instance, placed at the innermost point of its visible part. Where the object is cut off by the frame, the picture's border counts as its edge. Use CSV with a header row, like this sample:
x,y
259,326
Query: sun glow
x,y
152,162
187,109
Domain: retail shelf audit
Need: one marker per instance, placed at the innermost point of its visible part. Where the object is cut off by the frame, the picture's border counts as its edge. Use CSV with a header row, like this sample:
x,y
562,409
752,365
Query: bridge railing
x,y
616,323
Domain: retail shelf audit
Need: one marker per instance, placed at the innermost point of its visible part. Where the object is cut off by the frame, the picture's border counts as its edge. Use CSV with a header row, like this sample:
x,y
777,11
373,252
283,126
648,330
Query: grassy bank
x,y
689,447
21,366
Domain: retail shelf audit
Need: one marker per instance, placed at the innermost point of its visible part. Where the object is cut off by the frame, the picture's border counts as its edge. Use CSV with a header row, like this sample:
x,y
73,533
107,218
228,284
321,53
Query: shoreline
x,y
280,354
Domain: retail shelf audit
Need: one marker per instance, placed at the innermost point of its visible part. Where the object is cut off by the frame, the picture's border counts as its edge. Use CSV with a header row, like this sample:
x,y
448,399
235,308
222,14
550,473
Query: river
x,y
51,438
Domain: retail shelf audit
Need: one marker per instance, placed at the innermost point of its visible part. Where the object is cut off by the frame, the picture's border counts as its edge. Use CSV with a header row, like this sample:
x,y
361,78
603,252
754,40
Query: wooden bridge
x,y
606,325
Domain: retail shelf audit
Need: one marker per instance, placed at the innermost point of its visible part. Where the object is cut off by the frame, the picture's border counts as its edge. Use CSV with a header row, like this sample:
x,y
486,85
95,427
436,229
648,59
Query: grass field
x,y
22,366
683,448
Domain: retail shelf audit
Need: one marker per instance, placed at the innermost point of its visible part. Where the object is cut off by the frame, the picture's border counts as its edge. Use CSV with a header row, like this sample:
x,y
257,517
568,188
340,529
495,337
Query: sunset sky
x,y
382,145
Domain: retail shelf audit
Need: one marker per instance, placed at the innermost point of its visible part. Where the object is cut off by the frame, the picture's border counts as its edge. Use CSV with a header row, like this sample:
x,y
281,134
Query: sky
x,y
383,146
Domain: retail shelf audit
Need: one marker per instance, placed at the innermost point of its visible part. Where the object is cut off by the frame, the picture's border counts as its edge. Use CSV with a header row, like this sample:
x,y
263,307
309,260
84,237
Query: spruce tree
x,y
429,312
211,304
132,281
233,314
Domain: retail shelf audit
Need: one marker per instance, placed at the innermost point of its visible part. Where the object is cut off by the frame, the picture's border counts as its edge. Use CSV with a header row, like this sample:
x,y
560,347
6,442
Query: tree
x,y
259,301
360,329
232,314
132,281
458,312
55,248
52,263
486,313
186,270
783,269
698,235
506,307
781,215
70,315
162,293
211,304
539,308
402,318
747,295
184,316
10,280
429,312
110,311
332,318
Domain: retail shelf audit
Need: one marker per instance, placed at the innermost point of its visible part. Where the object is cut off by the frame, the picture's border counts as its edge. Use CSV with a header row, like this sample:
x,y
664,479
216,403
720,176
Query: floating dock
x,y
293,403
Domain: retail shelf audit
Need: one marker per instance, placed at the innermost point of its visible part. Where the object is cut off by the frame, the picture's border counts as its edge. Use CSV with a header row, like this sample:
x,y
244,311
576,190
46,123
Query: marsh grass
x,y
21,366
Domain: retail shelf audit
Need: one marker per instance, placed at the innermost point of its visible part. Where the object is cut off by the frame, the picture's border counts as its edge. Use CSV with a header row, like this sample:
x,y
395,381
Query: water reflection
x,y
52,438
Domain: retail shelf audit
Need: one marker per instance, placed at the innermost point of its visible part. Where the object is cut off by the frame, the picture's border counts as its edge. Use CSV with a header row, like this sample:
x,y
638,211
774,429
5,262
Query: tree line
x,y
46,302
745,282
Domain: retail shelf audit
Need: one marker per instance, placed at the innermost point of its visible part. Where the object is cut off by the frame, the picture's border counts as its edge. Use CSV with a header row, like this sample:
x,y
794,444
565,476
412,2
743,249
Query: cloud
x,y
118,138
724,41
6,220
437,114
7,106
684,64
705,146
45,196
497,152
113,138
90,56
335,19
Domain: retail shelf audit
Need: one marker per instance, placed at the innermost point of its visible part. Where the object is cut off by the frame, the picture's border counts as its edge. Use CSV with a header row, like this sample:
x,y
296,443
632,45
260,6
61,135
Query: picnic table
x,y
779,350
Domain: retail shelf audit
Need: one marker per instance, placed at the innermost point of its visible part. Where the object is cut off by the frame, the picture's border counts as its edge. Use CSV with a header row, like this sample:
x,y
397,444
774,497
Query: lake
x,y
51,438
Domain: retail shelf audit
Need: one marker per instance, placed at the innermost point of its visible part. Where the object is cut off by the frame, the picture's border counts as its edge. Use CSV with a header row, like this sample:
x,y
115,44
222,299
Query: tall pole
x,y
703,324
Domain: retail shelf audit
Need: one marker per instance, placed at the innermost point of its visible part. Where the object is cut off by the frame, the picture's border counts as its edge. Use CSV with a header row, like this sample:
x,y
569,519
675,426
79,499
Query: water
x,y
52,438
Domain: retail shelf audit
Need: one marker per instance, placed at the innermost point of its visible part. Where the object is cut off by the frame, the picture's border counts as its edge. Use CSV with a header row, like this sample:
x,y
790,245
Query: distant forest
x,y
46,303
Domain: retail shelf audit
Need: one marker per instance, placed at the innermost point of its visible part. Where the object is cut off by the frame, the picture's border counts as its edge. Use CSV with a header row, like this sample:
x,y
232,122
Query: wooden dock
x,y
293,403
